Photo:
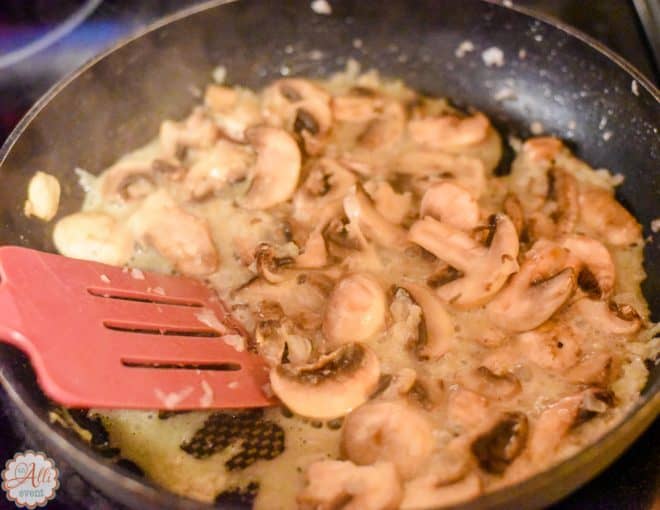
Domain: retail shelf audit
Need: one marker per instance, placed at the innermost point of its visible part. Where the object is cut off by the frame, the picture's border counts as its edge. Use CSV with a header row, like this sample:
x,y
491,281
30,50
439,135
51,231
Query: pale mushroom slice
x,y
593,264
428,167
437,335
543,284
181,237
553,346
359,105
489,384
331,387
384,130
608,317
595,369
608,219
302,107
391,205
359,208
223,164
472,136
197,131
450,204
355,310
276,170
334,484
126,181
388,432
234,110
93,236
484,269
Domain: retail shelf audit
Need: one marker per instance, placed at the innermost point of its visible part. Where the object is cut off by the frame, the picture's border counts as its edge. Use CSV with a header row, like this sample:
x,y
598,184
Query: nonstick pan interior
x,y
569,87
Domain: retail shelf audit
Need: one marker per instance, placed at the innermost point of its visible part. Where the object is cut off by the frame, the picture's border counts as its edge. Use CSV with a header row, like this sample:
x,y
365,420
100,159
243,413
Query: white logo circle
x,y
30,479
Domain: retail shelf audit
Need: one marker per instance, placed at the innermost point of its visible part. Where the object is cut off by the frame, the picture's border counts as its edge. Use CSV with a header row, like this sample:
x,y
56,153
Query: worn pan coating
x,y
560,78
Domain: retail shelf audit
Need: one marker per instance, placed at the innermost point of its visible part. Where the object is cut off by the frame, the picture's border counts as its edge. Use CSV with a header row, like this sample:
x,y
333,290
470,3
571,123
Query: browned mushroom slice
x,y
127,181
593,264
302,107
355,310
390,432
181,237
609,317
559,213
431,167
197,131
608,219
277,342
427,492
384,130
225,163
276,171
269,264
513,209
332,386
334,484
437,335
485,269
360,209
500,446
536,292
550,428
489,384
450,204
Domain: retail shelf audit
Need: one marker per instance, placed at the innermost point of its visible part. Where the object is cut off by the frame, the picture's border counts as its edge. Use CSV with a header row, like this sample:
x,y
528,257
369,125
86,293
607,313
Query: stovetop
x,y
42,40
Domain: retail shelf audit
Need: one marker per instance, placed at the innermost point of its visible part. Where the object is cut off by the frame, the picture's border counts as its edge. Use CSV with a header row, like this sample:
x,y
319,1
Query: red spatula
x,y
102,336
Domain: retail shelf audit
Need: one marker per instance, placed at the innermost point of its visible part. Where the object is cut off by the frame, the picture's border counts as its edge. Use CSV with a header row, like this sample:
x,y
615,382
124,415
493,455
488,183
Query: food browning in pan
x,y
434,331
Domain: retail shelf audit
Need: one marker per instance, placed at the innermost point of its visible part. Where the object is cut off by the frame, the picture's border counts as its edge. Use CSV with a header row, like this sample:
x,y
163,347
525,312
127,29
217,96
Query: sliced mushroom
x,y
277,342
543,148
356,107
500,446
302,107
181,237
360,209
471,135
467,409
314,254
127,181
392,206
427,492
93,236
593,370
430,167
513,209
334,485
332,386
234,110
384,130
485,269
355,311
197,131
549,430
536,292
269,263
450,204
607,218
276,170
225,163
559,213
609,317
551,346
593,264
388,432
437,336
489,384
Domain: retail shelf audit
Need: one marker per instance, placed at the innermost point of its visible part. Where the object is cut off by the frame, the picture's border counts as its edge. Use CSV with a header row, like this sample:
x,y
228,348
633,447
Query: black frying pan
x,y
116,103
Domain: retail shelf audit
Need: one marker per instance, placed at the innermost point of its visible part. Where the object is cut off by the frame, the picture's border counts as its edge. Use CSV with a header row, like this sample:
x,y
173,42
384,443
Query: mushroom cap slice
x,y
592,262
127,181
439,328
355,311
276,170
485,269
451,204
498,447
391,432
609,317
332,386
535,293
335,484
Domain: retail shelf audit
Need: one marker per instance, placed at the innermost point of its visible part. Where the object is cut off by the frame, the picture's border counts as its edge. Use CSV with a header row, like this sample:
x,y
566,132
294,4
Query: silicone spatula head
x,y
107,337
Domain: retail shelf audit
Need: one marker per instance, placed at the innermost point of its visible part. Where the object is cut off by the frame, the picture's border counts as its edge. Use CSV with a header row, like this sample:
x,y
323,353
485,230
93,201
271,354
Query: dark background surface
x,y
633,482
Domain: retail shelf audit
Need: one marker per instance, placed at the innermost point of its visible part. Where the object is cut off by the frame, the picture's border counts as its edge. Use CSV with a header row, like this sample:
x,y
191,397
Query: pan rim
x,y
644,410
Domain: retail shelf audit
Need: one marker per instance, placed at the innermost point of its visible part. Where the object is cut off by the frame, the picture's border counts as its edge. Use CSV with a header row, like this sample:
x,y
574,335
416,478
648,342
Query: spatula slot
x,y
220,367
154,330
142,297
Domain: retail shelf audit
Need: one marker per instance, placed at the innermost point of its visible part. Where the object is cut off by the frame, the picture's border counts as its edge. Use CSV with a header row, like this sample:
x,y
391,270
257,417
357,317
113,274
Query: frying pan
x,y
551,75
